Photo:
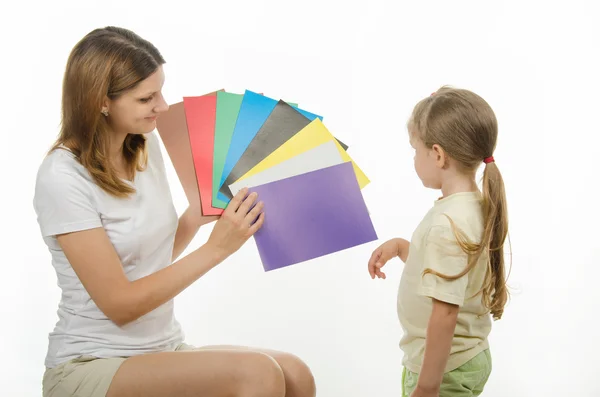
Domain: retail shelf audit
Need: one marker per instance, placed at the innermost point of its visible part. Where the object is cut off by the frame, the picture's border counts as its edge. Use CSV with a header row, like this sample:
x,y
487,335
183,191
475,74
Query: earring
x,y
105,112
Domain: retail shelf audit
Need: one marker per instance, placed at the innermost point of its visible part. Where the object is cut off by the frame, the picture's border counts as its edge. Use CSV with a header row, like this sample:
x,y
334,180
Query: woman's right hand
x,y
237,223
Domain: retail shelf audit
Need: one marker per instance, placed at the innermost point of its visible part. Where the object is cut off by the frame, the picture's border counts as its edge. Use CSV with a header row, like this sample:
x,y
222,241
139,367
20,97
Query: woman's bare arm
x,y
189,224
98,266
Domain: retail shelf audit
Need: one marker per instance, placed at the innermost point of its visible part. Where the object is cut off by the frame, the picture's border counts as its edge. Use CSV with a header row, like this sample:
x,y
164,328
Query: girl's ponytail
x,y
495,293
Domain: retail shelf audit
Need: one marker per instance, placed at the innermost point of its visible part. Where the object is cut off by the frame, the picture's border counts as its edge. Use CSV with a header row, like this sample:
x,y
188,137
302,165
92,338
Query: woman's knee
x,y
298,374
263,377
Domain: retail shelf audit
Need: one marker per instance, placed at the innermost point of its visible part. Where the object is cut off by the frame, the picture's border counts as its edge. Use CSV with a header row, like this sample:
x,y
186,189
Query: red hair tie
x,y
488,160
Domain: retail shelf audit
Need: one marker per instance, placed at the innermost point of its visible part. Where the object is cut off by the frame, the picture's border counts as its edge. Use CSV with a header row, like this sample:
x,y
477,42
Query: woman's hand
x,y
240,220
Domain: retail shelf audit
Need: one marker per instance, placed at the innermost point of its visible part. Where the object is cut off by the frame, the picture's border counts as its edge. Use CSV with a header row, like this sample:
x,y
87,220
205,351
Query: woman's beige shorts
x,y
85,376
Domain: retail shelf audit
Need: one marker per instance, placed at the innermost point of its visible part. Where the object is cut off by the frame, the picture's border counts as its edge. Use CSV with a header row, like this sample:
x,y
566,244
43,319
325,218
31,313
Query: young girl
x,y
453,282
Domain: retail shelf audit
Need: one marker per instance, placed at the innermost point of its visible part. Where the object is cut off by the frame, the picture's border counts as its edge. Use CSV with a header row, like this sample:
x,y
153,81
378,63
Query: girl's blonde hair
x,y
465,127
105,63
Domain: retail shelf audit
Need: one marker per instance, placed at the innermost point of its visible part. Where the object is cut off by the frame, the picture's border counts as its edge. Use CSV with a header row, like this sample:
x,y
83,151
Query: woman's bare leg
x,y
198,373
299,380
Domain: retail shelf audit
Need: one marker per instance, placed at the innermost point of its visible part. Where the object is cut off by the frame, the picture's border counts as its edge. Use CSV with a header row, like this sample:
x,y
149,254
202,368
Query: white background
x,y
362,65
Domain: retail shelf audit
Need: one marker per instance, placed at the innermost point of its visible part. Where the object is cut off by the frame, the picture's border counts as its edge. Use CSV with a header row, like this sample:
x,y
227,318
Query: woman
x,y
106,214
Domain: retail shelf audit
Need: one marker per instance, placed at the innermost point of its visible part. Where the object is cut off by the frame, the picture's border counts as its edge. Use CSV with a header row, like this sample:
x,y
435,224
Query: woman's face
x,y
135,111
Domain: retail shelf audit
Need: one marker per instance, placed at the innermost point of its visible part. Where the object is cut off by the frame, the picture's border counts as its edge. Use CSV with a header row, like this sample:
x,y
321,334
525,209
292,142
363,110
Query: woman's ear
x,y
105,107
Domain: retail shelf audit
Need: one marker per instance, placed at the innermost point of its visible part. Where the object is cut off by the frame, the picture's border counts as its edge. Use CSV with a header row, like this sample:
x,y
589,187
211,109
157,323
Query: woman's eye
x,y
144,100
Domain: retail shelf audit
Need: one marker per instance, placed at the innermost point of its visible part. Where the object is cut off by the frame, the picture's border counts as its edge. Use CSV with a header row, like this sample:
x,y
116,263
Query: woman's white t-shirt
x,y
142,230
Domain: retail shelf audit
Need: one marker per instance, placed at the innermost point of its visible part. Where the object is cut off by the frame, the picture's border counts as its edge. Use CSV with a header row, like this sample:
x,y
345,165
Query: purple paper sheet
x,y
312,215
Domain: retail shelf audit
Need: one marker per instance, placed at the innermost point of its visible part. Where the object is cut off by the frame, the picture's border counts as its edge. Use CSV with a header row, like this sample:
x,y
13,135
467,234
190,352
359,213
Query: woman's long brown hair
x,y
104,64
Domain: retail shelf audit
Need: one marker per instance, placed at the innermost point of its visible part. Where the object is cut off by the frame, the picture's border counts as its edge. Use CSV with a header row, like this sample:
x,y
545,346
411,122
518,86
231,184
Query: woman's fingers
x,y
254,213
245,206
236,201
258,224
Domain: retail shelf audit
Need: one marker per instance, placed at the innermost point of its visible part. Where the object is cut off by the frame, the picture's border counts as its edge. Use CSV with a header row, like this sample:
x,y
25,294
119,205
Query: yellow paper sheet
x,y
311,136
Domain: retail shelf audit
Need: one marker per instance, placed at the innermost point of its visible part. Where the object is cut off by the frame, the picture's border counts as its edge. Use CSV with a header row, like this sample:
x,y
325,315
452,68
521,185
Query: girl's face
x,y
429,162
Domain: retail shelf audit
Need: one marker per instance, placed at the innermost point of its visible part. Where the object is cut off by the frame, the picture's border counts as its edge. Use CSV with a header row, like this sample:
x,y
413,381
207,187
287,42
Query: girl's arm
x,y
440,332
189,223
403,248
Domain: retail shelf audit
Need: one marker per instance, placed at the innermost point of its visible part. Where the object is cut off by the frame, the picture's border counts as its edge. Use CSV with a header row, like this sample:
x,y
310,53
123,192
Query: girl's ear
x,y
440,156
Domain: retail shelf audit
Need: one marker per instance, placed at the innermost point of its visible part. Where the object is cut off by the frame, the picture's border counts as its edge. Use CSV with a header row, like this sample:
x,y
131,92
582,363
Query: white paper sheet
x,y
322,156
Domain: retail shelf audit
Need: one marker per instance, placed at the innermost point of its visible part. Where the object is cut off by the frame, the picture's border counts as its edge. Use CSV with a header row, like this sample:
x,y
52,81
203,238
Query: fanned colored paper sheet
x,y
322,156
228,107
308,138
283,123
301,225
254,110
173,131
342,144
200,114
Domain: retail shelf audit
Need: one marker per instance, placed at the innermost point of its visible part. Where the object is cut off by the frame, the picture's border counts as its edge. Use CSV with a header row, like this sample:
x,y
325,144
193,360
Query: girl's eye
x,y
144,100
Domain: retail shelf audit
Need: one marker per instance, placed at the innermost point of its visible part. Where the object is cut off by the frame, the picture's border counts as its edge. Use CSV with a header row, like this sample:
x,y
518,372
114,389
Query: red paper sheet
x,y
200,113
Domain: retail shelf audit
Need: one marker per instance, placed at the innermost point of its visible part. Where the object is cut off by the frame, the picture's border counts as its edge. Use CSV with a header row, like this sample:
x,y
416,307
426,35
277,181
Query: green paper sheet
x,y
228,106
